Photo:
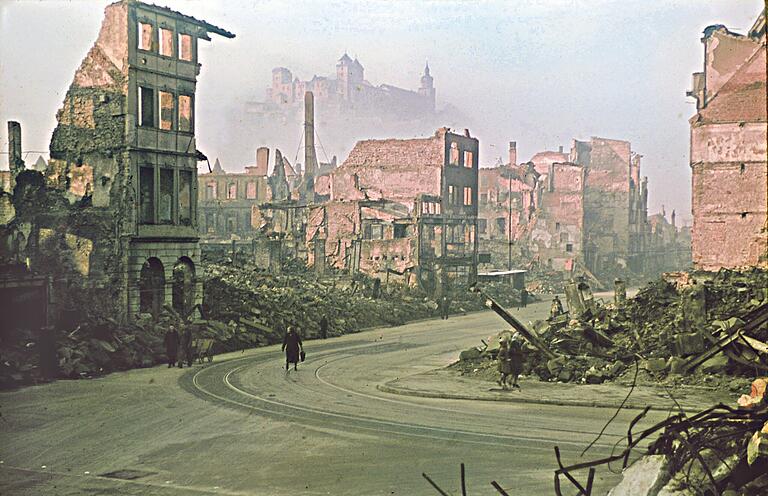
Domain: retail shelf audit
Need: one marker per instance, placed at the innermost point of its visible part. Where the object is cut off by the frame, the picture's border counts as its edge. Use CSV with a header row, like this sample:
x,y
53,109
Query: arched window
x,y
152,287
183,286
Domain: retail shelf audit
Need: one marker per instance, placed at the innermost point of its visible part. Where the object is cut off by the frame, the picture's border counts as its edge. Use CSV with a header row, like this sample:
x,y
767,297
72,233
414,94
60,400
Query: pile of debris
x,y
719,451
259,305
706,323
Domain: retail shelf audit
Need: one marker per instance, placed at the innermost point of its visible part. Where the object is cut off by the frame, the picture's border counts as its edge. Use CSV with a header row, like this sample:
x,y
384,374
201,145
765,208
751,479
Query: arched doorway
x,y
184,286
152,286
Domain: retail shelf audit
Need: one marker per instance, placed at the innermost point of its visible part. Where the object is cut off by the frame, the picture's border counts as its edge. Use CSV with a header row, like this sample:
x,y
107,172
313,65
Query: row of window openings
x,y
167,104
454,234
454,199
211,191
455,153
385,257
376,231
156,201
165,46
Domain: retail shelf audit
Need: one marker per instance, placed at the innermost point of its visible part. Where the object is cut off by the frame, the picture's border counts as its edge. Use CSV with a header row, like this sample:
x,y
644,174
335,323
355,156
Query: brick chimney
x,y
513,153
560,150
262,160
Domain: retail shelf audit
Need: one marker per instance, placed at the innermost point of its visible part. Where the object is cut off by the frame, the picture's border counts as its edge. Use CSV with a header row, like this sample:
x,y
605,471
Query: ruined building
x,y
584,210
350,91
124,155
729,155
402,207
226,200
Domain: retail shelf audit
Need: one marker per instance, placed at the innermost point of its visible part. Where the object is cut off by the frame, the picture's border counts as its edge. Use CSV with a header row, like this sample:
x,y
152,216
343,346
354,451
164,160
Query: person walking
x,y
292,346
171,342
557,308
324,327
515,354
444,307
186,347
505,364
523,298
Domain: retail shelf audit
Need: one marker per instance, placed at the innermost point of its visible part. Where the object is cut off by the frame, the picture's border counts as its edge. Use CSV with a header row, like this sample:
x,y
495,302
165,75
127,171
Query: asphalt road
x,y
242,425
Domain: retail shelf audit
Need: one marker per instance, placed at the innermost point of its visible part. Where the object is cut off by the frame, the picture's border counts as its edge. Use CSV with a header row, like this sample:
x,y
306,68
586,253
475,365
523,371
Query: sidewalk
x,y
450,384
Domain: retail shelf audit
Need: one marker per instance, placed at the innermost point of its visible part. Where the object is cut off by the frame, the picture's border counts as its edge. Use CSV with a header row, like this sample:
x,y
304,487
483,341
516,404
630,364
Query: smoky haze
x,y
538,72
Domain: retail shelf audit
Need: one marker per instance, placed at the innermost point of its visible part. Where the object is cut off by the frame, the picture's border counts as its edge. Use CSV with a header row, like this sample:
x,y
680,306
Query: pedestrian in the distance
x,y
557,308
524,298
186,347
171,345
324,327
292,346
444,307
516,358
505,364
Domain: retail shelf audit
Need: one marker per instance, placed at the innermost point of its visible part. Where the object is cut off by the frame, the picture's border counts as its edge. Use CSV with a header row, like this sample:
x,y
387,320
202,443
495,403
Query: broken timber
x,y
518,326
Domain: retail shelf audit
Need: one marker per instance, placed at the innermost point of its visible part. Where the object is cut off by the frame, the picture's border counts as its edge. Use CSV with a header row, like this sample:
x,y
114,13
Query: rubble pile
x,y
679,328
721,450
94,347
260,305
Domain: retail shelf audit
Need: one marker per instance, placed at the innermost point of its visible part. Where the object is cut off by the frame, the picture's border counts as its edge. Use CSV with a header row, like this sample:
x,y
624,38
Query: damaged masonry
x,y
183,297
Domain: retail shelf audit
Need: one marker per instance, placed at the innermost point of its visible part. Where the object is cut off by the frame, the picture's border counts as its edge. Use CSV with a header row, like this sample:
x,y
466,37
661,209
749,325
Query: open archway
x,y
152,286
183,286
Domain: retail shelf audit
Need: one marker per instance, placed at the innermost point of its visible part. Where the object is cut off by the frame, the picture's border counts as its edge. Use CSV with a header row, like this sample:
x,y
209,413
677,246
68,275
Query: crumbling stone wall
x,y
728,153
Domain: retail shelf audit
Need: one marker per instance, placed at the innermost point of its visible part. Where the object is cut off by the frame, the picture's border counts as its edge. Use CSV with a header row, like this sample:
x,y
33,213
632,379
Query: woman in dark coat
x,y
171,342
292,345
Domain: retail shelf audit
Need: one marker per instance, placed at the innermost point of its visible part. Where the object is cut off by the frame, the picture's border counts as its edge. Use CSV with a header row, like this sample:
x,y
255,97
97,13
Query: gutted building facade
x,y
615,205
226,200
729,155
403,206
124,150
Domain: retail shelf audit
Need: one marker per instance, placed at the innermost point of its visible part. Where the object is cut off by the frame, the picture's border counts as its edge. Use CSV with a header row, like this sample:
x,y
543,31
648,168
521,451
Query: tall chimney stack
x,y
513,153
15,162
560,149
310,160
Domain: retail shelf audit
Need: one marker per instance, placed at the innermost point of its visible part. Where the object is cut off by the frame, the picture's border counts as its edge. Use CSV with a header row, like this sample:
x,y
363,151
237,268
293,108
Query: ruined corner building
x,y
124,148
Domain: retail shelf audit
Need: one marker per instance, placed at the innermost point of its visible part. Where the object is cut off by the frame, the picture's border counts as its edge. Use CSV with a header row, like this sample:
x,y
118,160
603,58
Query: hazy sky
x,y
538,72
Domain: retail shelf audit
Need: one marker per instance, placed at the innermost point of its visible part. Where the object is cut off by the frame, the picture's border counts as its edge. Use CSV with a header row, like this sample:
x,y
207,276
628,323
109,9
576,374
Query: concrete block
x,y
646,477
654,365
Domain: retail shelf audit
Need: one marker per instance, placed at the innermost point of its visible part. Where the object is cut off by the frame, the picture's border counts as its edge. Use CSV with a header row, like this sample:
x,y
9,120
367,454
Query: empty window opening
x,y
569,247
557,226
232,191
482,226
166,110
166,42
146,195
183,288
467,196
210,191
742,168
377,231
483,198
468,159
250,190
185,198
146,106
454,156
165,201
185,47
185,113
501,224
401,230
744,215
152,286
145,36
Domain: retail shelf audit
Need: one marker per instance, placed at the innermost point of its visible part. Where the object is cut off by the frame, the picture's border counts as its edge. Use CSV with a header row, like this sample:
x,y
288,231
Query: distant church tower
x,y
427,88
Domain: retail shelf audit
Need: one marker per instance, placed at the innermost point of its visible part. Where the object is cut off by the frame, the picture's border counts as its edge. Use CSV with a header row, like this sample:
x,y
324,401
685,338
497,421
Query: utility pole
x,y
509,217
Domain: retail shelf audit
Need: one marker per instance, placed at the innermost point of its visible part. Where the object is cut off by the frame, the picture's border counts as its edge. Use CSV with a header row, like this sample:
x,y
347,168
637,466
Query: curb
x,y
386,388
